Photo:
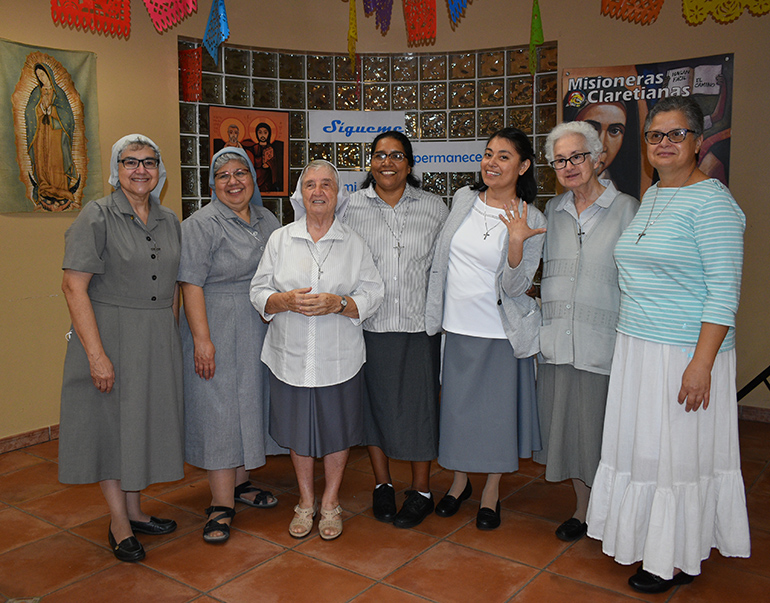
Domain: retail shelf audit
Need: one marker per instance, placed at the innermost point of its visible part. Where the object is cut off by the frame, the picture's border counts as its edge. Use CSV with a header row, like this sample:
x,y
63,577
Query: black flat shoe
x,y
154,527
449,505
645,582
415,509
384,503
129,549
487,519
572,529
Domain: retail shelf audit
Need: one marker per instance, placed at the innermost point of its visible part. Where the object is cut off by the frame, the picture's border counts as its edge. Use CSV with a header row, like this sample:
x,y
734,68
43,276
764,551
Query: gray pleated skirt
x,y
571,406
402,394
316,421
488,416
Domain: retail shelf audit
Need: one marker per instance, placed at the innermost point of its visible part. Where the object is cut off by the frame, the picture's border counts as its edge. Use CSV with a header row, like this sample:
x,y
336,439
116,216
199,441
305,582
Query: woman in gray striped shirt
x,y
400,223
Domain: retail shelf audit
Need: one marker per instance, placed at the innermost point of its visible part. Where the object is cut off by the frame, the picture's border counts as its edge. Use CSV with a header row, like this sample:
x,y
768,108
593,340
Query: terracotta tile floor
x,y
53,544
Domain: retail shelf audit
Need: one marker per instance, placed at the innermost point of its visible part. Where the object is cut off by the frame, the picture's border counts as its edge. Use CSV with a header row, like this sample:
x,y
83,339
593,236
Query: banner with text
x,y
353,126
616,100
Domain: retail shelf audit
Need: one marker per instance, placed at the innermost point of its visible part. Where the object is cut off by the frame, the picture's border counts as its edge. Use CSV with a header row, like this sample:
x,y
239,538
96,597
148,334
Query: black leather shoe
x,y
129,549
416,508
449,505
384,503
154,527
572,529
487,519
645,582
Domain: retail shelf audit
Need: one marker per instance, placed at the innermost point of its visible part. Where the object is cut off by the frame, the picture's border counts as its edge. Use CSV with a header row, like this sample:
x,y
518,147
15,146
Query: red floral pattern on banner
x,y
167,13
190,64
643,12
108,16
420,17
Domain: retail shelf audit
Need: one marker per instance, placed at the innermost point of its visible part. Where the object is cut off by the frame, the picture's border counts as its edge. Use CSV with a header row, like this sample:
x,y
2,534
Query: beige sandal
x,y
330,520
303,518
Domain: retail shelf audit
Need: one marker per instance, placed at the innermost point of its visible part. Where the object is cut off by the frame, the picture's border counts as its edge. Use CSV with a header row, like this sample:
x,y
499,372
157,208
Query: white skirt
x,y
669,487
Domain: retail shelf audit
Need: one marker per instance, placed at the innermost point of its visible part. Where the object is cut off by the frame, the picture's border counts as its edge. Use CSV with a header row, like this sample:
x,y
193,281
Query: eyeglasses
x,y
239,175
396,156
678,135
576,159
131,163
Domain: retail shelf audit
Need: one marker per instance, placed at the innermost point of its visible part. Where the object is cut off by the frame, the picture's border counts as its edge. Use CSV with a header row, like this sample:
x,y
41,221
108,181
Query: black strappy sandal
x,y
214,524
261,500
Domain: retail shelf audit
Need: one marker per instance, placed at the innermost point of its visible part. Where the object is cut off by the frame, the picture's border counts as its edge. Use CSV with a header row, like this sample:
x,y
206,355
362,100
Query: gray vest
x,y
579,287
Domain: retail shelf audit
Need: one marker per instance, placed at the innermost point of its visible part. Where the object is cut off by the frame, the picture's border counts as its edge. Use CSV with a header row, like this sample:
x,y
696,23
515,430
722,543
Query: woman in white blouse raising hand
x,y
485,259
315,284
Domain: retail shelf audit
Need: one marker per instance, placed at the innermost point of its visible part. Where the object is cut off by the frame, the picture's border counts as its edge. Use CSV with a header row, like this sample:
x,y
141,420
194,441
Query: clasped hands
x,y
311,304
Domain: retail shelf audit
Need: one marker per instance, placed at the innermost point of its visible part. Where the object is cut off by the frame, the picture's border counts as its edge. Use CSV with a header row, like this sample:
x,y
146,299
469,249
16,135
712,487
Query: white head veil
x,y
121,146
342,194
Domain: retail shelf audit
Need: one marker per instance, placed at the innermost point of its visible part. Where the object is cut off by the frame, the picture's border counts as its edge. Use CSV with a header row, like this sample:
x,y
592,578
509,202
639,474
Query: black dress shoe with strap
x,y
449,505
155,527
645,582
129,549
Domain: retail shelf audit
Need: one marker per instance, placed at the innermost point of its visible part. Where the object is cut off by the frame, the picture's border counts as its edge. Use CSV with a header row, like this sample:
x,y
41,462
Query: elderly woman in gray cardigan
x,y
485,259
581,298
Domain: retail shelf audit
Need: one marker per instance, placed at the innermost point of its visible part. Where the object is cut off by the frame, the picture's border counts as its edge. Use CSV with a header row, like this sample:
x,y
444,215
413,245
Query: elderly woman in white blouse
x,y
316,283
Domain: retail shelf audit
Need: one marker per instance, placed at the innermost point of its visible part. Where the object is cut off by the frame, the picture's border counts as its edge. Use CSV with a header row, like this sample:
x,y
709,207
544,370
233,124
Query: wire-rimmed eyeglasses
x,y
239,175
396,156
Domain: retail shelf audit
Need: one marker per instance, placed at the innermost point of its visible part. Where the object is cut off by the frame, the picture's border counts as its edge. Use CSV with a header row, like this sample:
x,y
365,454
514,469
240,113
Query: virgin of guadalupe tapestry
x,y
52,96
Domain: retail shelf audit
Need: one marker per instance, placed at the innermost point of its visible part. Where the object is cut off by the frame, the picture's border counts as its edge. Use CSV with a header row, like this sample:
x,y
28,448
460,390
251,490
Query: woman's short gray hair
x,y
584,129
138,143
686,105
226,158
317,164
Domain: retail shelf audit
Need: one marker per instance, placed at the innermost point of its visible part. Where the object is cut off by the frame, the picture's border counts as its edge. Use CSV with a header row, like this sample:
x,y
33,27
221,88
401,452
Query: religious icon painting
x,y
264,135
50,135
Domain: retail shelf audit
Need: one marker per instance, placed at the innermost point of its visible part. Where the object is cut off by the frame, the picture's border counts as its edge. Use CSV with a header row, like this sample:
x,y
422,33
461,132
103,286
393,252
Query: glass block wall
x,y
446,96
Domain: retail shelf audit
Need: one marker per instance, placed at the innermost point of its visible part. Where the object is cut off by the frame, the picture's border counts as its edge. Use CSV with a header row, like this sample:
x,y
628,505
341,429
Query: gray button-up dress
x,y
134,433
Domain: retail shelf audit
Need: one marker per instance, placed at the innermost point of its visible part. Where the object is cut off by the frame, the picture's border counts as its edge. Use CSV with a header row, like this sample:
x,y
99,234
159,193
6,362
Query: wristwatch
x,y
343,305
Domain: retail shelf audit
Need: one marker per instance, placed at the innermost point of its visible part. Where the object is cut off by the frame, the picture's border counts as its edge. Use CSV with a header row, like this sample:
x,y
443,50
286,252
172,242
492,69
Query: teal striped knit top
x,y
686,268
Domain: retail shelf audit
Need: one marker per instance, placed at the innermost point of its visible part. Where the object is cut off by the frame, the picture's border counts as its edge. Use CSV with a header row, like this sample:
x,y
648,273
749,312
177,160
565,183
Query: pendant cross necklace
x,y
398,246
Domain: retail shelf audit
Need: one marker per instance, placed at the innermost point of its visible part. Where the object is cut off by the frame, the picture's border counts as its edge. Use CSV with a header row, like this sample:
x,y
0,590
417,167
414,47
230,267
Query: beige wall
x,y
137,88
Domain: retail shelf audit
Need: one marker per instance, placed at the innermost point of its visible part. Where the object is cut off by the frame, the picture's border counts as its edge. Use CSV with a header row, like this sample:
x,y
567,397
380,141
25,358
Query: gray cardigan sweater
x,y
519,313
579,289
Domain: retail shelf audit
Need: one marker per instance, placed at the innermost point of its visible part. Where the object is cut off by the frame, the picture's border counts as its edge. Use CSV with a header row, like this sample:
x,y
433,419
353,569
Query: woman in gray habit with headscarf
x,y
121,404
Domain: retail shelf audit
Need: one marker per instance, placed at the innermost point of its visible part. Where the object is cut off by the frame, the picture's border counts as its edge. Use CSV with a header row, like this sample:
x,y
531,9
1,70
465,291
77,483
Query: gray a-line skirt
x,y
488,416
316,421
571,406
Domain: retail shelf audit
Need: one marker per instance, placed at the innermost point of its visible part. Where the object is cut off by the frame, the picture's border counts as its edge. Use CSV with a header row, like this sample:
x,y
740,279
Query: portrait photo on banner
x,y
54,133
264,135
615,101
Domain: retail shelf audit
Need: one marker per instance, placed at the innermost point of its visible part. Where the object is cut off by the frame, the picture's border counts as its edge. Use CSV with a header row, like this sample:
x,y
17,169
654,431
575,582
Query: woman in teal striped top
x,y
669,485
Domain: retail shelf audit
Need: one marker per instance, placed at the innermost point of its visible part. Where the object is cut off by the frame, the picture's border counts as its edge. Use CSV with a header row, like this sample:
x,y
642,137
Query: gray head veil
x,y
256,197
